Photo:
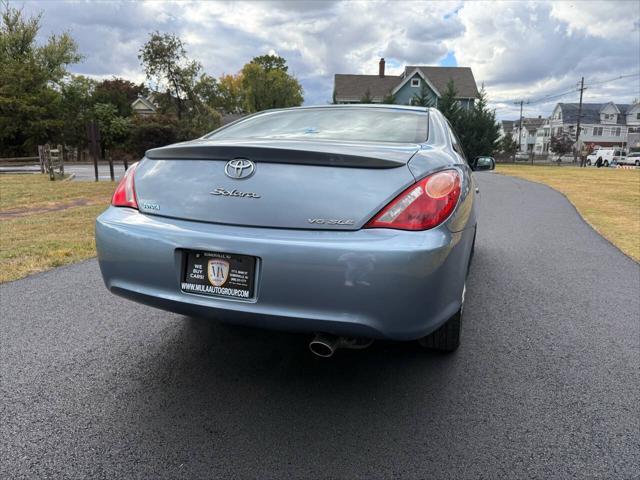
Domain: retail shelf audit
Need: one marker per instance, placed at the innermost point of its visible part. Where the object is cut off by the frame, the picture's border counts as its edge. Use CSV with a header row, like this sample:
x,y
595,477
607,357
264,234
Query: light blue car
x,y
352,222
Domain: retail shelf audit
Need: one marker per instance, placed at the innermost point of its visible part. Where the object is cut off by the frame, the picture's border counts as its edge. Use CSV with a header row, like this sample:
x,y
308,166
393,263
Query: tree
x,y
77,100
561,144
165,63
367,98
477,128
114,129
119,92
448,104
230,94
271,62
190,94
508,145
150,132
207,90
265,88
30,79
425,98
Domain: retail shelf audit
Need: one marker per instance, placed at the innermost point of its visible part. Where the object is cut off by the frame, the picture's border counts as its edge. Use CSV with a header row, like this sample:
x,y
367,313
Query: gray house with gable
x,y
415,80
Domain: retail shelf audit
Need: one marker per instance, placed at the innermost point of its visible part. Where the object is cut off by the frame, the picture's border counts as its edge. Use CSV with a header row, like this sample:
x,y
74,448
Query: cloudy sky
x,y
527,50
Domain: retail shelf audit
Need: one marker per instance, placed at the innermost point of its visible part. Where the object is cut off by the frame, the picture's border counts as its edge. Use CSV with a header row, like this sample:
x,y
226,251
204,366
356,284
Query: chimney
x,y
381,68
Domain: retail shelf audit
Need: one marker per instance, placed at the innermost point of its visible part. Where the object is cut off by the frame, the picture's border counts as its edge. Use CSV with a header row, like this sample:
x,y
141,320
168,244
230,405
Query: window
x,y
584,131
597,131
341,123
615,132
415,82
638,116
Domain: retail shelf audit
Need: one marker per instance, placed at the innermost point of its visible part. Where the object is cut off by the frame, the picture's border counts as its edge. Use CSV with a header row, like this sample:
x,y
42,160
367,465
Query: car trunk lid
x,y
294,184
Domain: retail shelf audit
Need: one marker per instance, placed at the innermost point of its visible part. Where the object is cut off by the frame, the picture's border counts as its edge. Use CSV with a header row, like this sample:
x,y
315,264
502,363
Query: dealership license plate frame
x,y
242,274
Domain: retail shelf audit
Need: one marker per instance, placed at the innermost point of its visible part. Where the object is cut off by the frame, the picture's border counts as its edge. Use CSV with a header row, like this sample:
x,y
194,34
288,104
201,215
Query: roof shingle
x,y
353,87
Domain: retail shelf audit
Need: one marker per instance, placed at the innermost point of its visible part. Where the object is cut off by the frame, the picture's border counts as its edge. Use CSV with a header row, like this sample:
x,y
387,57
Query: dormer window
x,y
415,82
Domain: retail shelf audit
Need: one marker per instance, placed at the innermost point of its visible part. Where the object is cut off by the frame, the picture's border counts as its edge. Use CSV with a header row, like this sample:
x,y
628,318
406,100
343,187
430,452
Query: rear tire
x,y
446,339
637,163
606,163
473,249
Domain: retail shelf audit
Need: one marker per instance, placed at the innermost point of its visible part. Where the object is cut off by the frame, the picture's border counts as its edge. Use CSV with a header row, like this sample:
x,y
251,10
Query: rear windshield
x,y
356,124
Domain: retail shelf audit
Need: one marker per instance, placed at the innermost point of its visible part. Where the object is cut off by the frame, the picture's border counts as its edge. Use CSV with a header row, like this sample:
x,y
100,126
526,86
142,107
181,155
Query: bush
x,y
150,132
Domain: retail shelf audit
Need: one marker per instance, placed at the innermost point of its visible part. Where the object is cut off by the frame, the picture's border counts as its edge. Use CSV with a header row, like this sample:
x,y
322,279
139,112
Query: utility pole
x,y
521,102
579,118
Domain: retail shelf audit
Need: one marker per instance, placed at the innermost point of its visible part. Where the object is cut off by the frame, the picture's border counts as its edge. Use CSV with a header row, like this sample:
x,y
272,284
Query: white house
x,y
144,105
602,124
525,135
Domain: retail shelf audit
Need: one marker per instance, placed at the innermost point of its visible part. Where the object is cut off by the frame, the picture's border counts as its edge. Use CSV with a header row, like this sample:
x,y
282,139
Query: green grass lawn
x,y
607,198
33,239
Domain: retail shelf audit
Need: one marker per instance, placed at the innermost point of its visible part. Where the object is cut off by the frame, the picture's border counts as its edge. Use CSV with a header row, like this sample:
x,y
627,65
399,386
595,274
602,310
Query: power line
x,y
553,96
616,78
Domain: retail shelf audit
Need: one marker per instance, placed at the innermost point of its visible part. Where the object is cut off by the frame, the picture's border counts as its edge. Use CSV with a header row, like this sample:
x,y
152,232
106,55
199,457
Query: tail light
x,y
125,194
424,205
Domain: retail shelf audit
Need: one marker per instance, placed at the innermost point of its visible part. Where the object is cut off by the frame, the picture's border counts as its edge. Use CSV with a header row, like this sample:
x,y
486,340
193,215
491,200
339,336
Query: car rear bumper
x,y
374,283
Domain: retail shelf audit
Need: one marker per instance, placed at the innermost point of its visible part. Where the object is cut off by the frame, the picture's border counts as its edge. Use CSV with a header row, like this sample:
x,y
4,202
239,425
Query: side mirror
x,y
483,163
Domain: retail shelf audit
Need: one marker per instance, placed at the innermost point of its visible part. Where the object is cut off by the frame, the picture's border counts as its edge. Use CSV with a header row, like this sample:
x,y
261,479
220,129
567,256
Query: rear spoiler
x,y
359,155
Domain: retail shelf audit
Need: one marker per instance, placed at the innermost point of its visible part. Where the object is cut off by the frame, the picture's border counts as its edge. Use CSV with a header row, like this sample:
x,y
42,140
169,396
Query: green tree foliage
x,y
151,132
30,78
424,98
561,144
271,62
77,100
189,93
476,127
266,84
114,129
166,64
120,93
508,145
448,104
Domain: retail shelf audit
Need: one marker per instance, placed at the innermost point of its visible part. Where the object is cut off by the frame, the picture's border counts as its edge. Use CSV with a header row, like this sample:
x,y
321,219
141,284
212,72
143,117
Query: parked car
x,y
632,159
353,222
605,156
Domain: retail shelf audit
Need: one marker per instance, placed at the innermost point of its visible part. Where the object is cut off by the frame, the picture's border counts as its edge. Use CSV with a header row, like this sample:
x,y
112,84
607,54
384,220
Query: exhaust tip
x,y
321,349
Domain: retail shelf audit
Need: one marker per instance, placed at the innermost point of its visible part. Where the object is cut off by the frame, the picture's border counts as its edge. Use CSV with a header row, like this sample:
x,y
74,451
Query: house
x,y
525,135
506,127
603,124
402,89
144,105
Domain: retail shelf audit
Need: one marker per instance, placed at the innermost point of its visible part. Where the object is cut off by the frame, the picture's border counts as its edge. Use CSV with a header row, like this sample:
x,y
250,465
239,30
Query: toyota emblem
x,y
239,168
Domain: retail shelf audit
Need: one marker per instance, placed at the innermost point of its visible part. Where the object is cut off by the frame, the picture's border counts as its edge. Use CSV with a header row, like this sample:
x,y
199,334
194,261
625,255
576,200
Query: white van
x,y
606,156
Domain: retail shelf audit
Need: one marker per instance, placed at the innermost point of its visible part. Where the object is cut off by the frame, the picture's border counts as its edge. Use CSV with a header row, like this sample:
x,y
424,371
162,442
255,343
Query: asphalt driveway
x,y
545,384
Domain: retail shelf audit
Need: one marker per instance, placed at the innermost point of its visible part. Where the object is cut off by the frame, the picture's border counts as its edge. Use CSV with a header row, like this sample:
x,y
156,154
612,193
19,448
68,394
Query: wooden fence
x,y
49,160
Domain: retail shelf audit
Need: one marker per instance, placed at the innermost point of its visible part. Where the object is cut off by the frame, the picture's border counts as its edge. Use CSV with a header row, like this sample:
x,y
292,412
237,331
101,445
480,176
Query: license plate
x,y
219,274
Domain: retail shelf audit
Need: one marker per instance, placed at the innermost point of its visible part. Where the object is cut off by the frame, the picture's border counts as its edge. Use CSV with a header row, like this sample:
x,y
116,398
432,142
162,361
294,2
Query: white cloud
x,y
529,50
518,49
